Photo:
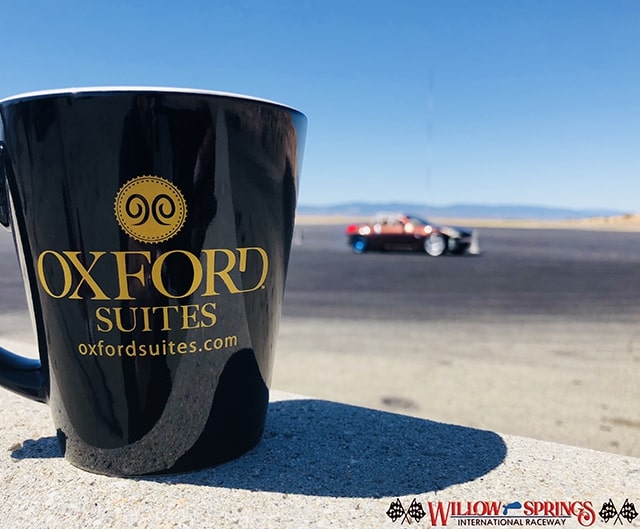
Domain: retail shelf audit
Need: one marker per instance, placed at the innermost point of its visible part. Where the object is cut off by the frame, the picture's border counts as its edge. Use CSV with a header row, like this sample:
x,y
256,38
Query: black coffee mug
x,y
153,227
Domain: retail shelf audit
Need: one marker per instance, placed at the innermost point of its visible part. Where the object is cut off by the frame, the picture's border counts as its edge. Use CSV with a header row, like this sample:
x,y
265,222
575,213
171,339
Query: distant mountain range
x,y
476,211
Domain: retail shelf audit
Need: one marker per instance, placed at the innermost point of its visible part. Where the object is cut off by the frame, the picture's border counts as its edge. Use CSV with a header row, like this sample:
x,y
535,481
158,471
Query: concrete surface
x,y
320,464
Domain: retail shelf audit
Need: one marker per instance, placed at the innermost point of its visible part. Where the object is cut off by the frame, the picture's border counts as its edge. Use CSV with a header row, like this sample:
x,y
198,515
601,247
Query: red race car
x,y
399,231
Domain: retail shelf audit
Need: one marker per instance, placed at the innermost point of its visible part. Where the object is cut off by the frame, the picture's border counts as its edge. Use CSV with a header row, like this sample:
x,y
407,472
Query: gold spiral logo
x,y
150,209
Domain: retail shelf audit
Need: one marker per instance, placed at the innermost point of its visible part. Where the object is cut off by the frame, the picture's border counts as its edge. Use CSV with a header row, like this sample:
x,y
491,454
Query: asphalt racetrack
x,y
563,274
539,335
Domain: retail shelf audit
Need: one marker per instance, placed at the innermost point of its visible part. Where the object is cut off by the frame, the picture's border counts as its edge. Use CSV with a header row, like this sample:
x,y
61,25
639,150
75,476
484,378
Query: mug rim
x,y
97,90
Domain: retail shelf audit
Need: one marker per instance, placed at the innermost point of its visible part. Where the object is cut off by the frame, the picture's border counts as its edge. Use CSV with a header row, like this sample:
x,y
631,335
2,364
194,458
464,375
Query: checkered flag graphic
x,y
396,510
608,511
415,511
628,511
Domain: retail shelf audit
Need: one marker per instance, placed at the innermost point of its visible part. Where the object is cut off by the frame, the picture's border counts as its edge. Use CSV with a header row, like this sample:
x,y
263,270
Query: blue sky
x,y
533,102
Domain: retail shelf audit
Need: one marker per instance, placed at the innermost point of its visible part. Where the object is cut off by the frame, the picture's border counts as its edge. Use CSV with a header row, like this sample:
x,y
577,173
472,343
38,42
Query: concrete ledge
x,y
320,464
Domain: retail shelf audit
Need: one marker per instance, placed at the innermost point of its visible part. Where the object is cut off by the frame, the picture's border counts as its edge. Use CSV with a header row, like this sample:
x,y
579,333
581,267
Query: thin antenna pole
x,y
429,147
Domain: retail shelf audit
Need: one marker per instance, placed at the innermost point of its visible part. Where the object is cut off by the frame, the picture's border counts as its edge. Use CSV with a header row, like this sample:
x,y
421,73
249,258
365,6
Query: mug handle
x,y
24,376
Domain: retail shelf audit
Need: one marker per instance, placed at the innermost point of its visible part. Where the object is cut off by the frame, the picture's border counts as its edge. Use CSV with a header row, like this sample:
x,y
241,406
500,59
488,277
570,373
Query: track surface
x,y
560,274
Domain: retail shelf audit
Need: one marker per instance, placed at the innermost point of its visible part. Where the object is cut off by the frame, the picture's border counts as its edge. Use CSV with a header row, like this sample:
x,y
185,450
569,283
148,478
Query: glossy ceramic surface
x,y
156,346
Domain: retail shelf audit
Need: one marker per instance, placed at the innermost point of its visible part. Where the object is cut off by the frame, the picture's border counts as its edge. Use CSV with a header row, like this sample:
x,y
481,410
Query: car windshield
x,y
413,219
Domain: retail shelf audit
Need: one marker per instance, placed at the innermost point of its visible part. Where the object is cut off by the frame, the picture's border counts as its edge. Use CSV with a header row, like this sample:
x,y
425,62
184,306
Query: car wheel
x,y
435,245
359,245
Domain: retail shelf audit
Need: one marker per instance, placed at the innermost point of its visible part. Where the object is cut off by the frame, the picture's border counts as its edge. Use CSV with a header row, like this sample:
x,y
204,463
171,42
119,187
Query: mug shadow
x,y
321,448
43,448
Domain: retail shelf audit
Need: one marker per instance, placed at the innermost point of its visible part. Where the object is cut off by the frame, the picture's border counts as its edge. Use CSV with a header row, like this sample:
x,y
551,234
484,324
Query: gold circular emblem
x,y
150,209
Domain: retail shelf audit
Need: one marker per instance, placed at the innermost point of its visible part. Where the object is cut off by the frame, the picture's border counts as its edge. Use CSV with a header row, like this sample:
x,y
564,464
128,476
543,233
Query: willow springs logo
x,y
495,513
151,210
